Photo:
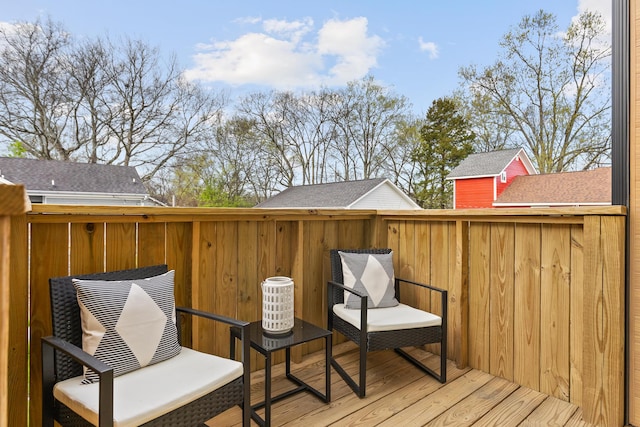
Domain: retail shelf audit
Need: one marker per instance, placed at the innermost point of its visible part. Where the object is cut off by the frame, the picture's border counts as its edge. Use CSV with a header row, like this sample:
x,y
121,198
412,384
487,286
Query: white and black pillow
x,y
128,324
370,274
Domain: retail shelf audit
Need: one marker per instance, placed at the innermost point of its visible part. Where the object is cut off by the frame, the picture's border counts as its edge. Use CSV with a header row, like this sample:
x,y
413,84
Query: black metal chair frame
x,y
63,358
383,340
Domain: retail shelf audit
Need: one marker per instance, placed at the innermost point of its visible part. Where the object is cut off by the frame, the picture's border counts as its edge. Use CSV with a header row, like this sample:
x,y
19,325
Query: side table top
x,y
302,332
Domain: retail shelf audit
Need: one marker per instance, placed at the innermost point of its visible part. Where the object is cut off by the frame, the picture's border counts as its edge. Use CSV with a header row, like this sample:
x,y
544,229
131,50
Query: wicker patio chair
x,y
63,359
375,335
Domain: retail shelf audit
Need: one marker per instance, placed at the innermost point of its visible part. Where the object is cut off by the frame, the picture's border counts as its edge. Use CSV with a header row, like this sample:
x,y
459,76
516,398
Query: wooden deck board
x,y
400,395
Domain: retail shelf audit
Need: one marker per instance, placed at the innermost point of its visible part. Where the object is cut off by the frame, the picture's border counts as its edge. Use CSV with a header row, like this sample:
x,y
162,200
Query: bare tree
x,y
34,89
98,101
154,114
366,124
550,94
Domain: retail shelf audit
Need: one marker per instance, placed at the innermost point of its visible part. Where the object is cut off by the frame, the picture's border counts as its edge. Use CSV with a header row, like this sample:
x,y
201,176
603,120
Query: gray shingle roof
x,y
38,175
484,164
332,195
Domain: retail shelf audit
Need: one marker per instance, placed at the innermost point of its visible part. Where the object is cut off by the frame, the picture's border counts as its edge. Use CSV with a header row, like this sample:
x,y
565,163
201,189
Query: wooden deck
x,y
398,394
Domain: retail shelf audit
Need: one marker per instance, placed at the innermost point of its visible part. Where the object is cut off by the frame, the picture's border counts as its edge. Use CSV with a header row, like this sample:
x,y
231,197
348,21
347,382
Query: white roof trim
x,y
78,194
472,177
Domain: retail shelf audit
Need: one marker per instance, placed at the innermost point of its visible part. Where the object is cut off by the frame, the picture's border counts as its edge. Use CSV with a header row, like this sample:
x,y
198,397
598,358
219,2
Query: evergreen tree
x,y
445,140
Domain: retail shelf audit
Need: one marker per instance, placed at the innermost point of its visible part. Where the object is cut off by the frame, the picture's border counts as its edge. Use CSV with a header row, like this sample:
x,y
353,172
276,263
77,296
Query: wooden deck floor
x,y
398,394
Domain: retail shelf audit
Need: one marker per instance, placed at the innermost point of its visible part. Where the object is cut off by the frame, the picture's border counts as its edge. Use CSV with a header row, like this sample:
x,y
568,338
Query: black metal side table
x,y
266,344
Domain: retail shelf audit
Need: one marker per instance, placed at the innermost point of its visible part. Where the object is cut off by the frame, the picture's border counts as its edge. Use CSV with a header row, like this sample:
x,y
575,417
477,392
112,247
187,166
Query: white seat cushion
x,y
144,394
401,316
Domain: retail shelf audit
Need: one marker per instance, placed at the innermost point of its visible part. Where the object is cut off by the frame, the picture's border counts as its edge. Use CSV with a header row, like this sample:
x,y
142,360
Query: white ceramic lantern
x,y
277,305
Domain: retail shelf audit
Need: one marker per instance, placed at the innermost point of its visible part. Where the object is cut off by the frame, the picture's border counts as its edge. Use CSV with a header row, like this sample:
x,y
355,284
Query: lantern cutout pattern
x,y
277,305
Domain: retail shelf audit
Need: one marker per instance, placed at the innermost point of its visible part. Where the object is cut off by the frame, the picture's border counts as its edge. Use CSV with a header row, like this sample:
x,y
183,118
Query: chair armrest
x,y
331,283
443,295
212,316
363,304
241,325
411,282
104,371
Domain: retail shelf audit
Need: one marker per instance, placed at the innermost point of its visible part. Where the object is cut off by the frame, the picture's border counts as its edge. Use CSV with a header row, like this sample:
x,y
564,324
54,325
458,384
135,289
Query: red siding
x,y
514,169
474,193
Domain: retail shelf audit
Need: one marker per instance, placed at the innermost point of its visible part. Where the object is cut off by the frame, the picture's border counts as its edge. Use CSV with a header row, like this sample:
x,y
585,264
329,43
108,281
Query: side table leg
x,y
327,374
267,390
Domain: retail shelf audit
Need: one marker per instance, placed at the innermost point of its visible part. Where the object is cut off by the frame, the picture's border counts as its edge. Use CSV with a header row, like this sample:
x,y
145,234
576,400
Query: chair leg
x,y
346,377
363,371
358,389
442,377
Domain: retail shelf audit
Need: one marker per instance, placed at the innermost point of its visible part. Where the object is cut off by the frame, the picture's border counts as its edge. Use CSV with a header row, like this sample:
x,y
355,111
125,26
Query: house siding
x,y
474,193
515,168
383,197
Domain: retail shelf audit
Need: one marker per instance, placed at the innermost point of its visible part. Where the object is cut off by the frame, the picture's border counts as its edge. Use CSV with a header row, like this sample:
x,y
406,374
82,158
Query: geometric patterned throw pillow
x,y
128,324
370,274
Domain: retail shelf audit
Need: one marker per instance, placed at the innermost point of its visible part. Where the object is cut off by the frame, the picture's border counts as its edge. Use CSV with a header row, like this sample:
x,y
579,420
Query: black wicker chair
x,y
63,358
381,340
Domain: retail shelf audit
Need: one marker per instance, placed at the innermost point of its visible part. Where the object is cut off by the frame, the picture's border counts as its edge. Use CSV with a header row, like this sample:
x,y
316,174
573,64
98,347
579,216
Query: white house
x,y
378,193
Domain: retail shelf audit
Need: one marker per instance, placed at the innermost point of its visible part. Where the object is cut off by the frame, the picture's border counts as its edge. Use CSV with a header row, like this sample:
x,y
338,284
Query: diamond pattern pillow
x,y
370,274
128,324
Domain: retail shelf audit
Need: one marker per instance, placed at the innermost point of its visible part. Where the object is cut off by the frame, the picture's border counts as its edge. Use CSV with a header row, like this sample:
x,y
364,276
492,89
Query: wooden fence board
x,y
87,248
479,296
49,258
224,284
555,304
527,306
422,248
613,246
151,244
577,315
204,293
315,300
501,294
440,261
594,387
179,248
121,245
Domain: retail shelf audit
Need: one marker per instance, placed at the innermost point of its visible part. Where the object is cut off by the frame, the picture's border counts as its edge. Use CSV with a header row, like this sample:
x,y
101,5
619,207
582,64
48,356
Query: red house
x,y
480,178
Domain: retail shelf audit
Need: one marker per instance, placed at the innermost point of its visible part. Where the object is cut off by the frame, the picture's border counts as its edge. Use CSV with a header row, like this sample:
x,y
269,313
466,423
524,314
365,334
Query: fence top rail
x,y
77,213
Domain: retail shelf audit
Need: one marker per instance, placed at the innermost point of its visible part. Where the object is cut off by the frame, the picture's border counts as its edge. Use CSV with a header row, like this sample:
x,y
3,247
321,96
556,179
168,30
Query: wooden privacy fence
x,y
536,296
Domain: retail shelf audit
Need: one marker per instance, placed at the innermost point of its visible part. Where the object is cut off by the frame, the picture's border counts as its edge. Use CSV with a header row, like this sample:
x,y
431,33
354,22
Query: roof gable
x,y
490,164
330,195
559,189
59,176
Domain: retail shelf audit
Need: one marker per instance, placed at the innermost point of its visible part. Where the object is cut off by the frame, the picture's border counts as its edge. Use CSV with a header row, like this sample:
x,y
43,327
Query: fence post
x,y
13,306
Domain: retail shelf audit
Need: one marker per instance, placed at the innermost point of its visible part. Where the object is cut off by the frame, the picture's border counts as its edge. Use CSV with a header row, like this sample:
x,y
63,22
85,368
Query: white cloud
x,y
430,47
286,55
292,30
601,6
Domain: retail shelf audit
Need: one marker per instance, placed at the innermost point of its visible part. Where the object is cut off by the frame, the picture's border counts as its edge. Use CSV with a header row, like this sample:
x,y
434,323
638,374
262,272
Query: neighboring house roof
x,y
72,180
378,193
559,189
54,175
490,164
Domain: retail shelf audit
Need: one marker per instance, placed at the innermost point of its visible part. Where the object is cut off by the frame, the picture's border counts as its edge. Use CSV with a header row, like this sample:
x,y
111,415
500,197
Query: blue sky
x,y
416,47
